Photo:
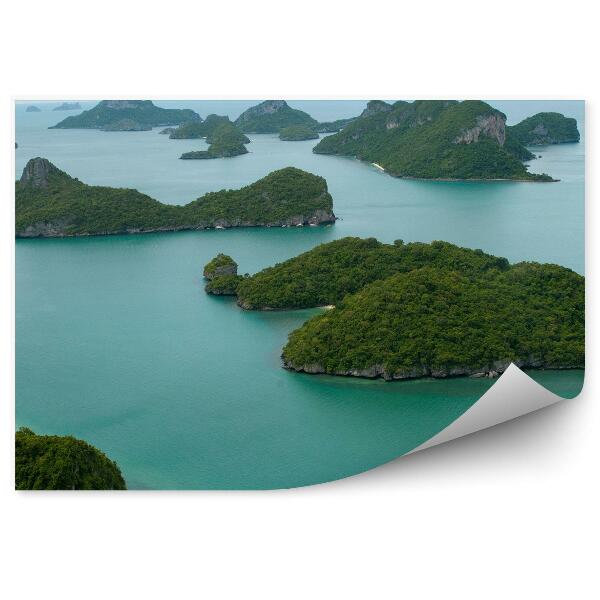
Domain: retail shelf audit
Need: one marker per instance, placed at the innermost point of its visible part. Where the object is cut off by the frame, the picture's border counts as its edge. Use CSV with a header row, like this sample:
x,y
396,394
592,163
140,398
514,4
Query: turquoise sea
x,y
117,343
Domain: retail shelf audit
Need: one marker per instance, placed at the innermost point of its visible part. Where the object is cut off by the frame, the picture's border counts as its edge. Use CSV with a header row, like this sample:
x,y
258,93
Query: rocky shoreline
x,y
490,371
55,230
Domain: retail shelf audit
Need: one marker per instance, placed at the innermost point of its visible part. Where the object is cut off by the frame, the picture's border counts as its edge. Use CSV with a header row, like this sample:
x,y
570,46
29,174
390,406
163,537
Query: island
x,y
68,106
297,133
222,276
109,113
271,116
50,203
403,311
32,108
225,141
190,131
545,128
52,462
434,139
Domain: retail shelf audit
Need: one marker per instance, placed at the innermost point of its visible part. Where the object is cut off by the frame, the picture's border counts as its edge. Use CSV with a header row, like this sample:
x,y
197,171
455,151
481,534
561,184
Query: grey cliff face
x,y
36,172
492,126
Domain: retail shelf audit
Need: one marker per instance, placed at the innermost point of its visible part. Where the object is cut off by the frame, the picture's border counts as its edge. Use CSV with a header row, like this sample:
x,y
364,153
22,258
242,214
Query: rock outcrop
x,y
37,172
221,264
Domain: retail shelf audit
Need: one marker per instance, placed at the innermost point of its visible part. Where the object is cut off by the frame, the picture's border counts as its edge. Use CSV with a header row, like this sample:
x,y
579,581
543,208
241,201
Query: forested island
x,y
204,129
224,140
107,115
545,128
271,116
50,203
52,462
434,139
297,133
414,310
222,276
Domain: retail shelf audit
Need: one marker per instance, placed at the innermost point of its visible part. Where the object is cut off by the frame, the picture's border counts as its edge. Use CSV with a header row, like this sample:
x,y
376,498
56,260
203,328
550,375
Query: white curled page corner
x,y
513,395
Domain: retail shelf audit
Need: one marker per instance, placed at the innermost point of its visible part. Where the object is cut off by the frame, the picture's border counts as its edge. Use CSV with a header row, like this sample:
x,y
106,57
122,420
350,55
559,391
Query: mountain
x,y
108,113
545,128
271,116
433,139
52,462
33,108
297,133
50,203
68,106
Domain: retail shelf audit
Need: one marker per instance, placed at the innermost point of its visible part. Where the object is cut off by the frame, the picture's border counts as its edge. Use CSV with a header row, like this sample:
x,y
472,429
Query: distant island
x,y
434,139
222,276
52,462
204,129
296,133
225,141
127,115
50,203
439,310
32,108
68,106
334,126
271,116
545,128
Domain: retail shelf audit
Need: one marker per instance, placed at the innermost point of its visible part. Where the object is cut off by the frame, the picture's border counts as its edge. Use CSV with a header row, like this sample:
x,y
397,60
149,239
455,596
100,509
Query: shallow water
x,y
118,344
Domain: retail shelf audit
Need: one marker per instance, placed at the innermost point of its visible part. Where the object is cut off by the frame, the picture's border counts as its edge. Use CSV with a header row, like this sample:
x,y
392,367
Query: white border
x,y
507,513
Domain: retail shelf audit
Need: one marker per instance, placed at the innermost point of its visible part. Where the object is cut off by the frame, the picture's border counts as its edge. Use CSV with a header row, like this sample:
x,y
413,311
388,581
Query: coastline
x,y
450,179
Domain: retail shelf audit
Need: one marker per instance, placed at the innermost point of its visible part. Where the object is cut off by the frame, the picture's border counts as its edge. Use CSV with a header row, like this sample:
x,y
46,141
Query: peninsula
x,y
434,139
401,311
52,462
143,113
50,203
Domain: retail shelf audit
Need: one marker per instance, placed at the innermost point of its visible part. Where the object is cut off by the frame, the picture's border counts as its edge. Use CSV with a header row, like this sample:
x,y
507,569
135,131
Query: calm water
x,y
118,344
